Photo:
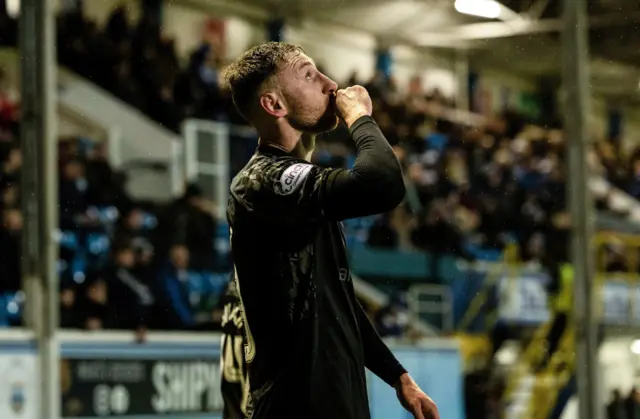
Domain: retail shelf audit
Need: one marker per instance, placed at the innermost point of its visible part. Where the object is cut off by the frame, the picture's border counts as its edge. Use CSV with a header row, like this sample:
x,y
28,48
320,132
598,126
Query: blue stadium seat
x,y
108,216
11,308
149,221
98,243
205,288
482,253
4,315
69,240
221,242
96,252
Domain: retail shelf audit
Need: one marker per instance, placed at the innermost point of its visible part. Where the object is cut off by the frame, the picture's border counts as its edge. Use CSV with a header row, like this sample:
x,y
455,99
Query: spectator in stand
x,y
10,249
616,408
190,220
9,111
198,87
105,187
129,294
12,165
482,395
72,192
68,308
136,228
392,320
632,404
174,283
93,306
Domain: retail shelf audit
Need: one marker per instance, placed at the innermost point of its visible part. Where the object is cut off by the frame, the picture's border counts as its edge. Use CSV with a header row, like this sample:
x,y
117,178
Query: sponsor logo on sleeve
x,y
292,178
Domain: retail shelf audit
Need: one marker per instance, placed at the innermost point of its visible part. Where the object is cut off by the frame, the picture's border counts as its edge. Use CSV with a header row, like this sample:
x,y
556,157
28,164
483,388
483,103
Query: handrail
x,y
480,299
510,257
553,378
444,307
527,361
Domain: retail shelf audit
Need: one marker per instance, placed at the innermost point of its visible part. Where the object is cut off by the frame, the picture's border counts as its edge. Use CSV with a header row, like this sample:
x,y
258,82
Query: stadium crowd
x,y
124,264
476,187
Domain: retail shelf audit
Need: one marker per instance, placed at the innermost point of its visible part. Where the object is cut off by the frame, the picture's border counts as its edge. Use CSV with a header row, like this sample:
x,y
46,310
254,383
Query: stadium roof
x,y
525,40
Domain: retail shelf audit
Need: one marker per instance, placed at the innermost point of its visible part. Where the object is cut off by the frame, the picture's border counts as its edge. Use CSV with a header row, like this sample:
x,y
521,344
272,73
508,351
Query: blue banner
x,y
621,302
523,298
177,377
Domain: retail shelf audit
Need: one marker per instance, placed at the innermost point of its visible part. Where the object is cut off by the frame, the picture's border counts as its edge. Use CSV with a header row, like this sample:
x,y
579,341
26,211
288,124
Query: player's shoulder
x,y
270,174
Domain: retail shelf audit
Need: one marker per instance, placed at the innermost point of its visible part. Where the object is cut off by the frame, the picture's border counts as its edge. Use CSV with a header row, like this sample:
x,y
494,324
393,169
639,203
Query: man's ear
x,y
273,105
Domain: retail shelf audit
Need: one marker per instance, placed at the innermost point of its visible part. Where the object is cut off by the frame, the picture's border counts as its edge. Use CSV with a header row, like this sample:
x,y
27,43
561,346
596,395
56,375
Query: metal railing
x,y
207,157
479,302
553,378
425,301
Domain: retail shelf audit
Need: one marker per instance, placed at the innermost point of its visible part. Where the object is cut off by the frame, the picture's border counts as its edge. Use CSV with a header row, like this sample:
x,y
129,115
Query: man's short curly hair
x,y
251,70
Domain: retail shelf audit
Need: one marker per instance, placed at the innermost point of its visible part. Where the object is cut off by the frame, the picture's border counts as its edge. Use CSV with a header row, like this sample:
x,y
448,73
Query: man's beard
x,y
327,122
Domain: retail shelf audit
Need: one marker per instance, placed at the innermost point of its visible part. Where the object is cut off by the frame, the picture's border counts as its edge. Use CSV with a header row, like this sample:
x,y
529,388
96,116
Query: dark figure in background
x,y
632,404
235,380
616,408
308,338
94,308
72,188
130,296
10,248
173,279
476,393
392,320
382,234
562,304
189,220
106,187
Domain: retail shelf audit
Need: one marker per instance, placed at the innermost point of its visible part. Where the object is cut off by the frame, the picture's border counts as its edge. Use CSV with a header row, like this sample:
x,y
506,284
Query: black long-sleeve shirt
x,y
308,339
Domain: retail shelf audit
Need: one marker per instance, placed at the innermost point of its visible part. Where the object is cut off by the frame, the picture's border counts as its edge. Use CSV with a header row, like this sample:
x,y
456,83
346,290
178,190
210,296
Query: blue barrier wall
x,y
168,369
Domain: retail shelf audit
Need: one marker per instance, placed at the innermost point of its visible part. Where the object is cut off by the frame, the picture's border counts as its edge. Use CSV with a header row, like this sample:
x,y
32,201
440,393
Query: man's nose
x,y
330,86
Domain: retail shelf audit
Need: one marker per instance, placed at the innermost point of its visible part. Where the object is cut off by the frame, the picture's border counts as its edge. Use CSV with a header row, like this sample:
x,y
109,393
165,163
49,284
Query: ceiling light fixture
x,y
13,8
489,9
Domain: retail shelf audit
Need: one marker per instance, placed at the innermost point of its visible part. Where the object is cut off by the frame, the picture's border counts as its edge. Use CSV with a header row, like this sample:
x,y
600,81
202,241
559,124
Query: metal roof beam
x,y
537,9
490,30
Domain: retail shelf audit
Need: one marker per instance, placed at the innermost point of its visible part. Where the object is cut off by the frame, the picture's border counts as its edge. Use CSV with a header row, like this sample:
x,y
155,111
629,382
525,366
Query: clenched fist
x,y
353,103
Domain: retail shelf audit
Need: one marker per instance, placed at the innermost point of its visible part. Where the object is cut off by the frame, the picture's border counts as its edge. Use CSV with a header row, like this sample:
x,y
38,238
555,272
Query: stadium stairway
x,y
480,314
536,388
563,398
537,383
521,379
553,379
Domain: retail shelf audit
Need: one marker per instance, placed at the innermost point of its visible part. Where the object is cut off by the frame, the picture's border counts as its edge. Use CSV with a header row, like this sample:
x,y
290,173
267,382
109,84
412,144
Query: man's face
x,y
308,95
180,257
126,258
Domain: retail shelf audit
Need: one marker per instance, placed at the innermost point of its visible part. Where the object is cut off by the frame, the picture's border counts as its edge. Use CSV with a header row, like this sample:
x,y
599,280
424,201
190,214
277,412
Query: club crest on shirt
x,y
292,177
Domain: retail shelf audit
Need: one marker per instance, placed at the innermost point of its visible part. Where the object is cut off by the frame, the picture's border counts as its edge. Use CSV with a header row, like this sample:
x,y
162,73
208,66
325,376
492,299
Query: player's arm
x,y
292,190
380,361
378,358
375,183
